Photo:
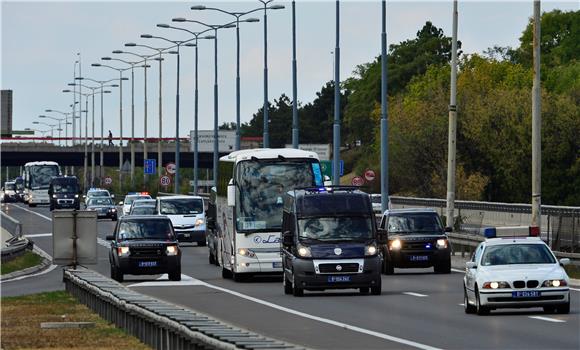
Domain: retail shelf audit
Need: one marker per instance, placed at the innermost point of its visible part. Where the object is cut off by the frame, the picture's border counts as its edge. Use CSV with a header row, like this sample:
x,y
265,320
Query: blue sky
x,y
40,41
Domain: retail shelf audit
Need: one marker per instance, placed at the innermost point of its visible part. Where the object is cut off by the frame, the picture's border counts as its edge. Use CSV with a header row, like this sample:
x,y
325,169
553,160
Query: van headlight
x,y
53,196
304,251
371,250
171,250
76,196
246,252
396,244
199,222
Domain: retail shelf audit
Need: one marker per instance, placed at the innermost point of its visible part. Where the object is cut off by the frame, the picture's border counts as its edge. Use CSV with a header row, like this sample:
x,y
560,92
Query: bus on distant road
x,y
37,176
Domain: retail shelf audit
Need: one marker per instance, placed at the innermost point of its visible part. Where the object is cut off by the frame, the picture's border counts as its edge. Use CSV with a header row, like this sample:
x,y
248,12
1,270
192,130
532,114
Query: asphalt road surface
x,y
417,309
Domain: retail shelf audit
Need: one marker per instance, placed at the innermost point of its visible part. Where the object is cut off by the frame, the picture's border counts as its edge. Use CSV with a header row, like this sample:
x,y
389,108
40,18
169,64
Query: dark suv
x,y
329,241
415,239
64,193
144,245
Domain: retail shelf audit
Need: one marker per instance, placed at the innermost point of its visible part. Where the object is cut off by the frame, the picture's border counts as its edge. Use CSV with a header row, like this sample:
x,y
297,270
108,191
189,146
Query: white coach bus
x,y
37,176
248,203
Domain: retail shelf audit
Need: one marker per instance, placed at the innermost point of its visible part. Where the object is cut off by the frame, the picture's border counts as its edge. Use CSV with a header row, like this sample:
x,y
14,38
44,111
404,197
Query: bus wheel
x,y
226,273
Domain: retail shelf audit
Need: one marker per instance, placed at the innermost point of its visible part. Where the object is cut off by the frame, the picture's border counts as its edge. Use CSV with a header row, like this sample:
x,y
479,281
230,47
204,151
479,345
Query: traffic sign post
x,y
165,181
149,166
108,180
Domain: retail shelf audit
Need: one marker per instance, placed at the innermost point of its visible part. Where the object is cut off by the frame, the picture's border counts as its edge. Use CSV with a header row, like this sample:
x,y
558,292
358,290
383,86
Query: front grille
x,y
417,245
342,268
523,284
65,201
146,252
509,299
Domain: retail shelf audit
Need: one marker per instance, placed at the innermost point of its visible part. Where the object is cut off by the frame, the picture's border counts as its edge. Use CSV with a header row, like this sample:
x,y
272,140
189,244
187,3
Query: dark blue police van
x,y
329,241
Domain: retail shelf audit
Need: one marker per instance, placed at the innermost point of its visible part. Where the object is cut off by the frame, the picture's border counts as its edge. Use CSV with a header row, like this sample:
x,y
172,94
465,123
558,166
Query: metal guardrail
x,y
159,324
11,225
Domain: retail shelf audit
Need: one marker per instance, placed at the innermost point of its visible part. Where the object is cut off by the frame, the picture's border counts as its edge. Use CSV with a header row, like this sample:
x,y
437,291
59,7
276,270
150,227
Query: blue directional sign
x,y
149,166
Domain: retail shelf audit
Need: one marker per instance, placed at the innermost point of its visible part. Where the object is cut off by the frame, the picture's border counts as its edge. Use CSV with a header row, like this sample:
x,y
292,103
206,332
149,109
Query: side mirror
x,y
110,237
449,229
564,261
231,194
470,265
121,203
287,238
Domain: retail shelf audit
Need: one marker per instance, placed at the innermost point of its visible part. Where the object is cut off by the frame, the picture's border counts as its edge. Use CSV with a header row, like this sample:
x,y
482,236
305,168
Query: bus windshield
x,y
261,185
40,176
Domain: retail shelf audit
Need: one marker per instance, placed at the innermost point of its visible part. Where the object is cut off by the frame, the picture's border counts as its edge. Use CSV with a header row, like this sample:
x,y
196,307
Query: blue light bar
x,y
489,232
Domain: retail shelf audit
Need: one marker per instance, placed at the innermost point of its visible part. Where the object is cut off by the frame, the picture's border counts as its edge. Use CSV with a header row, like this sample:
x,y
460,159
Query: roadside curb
x,y
45,264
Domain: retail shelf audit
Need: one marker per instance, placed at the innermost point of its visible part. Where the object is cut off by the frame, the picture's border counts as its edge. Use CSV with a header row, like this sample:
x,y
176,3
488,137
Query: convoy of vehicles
x,y
144,245
37,176
414,238
64,193
187,216
248,206
329,241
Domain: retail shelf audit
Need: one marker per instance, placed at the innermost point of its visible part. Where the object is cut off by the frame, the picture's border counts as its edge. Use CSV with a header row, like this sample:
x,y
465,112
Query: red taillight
x,y
534,231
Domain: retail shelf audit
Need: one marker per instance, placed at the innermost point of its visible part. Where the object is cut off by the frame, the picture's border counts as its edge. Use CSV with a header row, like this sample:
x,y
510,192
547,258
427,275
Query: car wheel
x,y
114,218
118,275
239,277
287,285
564,308
226,273
377,289
480,309
388,268
444,267
175,275
364,290
469,309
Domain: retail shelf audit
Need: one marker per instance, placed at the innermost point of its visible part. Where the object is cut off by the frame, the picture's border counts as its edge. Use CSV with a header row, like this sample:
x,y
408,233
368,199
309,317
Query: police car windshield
x,y
99,194
336,228
414,223
145,229
181,206
100,201
508,254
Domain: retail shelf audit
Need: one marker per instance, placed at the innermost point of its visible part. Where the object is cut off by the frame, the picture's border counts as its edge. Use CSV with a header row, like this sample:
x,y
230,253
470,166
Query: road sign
x,y
108,180
357,181
165,180
326,167
369,175
170,168
149,166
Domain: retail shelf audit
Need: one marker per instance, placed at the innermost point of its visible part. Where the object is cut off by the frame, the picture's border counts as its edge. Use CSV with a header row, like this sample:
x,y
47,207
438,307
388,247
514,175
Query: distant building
x,y
6,113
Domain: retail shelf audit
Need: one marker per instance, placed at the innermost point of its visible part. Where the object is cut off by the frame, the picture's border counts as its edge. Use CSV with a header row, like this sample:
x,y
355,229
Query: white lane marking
x,y
50,268
317,318
547,319
33,212
575,289
163,281
39,235
458,270
415,294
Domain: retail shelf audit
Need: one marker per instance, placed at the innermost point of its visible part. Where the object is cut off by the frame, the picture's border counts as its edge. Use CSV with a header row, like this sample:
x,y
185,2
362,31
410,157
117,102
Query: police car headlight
x,y
198,222
396,244
171,250
495,285
442,243
246,252
371,250
123,251
554,283
304,251
53,196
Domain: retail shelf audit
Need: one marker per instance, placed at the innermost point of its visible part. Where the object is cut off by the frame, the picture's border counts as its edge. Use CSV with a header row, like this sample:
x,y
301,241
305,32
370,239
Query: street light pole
x,y
336,131
384,114
536,124
295,128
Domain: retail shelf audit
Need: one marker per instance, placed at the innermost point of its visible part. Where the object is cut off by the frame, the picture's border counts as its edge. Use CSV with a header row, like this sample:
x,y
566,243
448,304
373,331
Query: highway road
x,y
417,309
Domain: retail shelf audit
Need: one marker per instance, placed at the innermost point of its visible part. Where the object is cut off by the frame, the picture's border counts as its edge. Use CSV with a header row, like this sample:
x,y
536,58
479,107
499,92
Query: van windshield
x,y
67,187
336,228
10,186
182,206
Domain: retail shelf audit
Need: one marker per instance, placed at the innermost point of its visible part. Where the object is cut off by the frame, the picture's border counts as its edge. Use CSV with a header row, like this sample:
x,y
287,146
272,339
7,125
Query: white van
x,y
187,216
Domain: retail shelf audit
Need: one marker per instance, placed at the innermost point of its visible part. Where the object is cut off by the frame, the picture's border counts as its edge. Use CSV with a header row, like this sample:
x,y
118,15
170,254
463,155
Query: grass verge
x,y
21,318
26,260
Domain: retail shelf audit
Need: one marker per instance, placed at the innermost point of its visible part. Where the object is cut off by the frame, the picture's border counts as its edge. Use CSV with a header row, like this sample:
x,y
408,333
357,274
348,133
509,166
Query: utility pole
x,y
336,127
536,126
384,115
452,145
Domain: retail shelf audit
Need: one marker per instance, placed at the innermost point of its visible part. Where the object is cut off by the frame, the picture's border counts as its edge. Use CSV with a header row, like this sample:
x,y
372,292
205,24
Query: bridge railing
x,y
560,224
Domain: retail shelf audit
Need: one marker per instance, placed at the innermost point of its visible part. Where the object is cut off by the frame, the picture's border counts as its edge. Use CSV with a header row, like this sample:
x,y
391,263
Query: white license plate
x,y
186,235
277,265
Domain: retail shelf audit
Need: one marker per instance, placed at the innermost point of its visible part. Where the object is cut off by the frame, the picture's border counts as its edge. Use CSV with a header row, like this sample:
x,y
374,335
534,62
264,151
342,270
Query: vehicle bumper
x,y
503,299
306,277
163,265
190,235
38,200
268,263
419,258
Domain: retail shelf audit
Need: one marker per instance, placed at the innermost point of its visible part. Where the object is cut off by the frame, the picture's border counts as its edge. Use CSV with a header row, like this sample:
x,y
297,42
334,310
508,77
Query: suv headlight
x,y
123,251
554,283
246,252
171,250
199,222
442,243
53,196
396,244
304,251
371,250
495,285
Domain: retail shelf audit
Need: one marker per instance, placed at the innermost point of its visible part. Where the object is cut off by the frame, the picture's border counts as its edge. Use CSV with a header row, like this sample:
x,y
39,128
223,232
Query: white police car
x,y
130,197
515,272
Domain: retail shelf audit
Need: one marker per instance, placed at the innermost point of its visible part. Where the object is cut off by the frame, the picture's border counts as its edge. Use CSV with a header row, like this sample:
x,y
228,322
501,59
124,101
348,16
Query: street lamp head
x,y
146,66
48,110
107,91
190,45
118,51
158,58
229,26
179,19
251,20
79,78
66,90
147,36
163,25
35,122
173,52
41,116
198,7
124,78
115,85
96,64
208,37
106,58
276,7
71,84
130,44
